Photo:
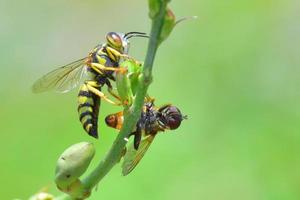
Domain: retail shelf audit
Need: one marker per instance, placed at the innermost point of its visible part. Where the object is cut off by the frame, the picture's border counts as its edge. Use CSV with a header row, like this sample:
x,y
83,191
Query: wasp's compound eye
x,y
114,39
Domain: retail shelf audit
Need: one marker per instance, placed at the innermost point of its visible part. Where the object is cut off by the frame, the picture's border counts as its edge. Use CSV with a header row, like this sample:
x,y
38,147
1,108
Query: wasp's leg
x,y
116,54
110,90
100,68
91,86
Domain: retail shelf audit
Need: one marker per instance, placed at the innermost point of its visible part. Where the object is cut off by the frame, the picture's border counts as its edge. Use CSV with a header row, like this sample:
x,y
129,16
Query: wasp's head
x,y
170,117
120,41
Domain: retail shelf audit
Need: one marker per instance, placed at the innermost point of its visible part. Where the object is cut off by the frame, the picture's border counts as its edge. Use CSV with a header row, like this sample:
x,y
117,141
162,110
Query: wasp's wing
x,y
133,157
62,79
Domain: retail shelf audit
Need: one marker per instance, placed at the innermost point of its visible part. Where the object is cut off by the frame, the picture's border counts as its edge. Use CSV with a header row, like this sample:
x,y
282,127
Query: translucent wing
x,y
62,79
133,157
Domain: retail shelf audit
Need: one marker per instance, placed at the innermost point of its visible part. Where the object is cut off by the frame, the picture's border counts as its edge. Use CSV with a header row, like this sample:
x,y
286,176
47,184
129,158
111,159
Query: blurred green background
x,y
234,71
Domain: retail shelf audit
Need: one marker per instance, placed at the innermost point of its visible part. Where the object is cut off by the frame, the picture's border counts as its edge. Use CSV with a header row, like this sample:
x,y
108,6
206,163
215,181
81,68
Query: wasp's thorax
x,y
170,117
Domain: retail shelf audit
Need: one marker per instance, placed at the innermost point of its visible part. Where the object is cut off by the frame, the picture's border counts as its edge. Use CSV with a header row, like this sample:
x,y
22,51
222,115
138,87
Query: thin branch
x,y
132,115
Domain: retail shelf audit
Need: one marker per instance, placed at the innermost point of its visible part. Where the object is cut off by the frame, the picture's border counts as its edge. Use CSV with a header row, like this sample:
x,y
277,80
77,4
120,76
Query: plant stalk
x,y
133,114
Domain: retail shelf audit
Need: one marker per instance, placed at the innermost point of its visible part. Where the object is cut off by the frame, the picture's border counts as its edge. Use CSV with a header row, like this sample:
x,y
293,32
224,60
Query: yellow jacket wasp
x,y
98,69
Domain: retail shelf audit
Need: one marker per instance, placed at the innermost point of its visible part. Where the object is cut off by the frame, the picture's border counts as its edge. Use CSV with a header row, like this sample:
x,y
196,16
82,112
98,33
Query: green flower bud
x,y
127,80
169,24
134,71
72,163
124,86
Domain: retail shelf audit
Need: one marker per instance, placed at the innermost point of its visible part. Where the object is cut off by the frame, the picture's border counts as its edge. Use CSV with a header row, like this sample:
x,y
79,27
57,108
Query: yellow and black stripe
x,y
88,102
88,110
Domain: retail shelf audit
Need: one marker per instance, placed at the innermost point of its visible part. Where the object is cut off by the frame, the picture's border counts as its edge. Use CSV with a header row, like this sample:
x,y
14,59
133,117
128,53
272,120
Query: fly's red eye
x,y
170,116
174,121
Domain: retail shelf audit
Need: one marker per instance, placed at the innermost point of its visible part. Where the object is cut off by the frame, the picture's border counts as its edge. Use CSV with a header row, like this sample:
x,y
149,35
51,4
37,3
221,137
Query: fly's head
x,y
170,117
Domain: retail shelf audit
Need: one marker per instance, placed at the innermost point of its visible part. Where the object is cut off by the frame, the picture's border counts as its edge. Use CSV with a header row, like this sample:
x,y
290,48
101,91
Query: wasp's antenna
x,y
144,36
135,34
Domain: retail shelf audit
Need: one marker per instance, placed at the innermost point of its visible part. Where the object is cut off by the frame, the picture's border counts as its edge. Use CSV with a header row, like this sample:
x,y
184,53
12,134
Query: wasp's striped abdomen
x,y
88,110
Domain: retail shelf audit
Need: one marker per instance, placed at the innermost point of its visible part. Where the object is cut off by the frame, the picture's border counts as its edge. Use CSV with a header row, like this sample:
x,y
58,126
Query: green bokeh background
x,y
234,72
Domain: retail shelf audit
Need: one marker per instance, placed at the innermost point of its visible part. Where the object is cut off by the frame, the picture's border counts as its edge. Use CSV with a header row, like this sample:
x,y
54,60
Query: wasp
x,y
152,121
92,72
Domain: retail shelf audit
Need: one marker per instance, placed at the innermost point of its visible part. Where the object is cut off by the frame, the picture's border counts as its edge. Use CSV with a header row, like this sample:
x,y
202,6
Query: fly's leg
x,y
149,99
92,87
137,135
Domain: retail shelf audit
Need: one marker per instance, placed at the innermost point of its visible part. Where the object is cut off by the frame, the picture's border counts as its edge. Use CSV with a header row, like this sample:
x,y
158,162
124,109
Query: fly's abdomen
x,y
88,110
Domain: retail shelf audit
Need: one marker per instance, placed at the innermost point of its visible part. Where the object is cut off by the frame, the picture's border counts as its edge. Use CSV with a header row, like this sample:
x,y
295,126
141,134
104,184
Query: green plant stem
x,y
132,115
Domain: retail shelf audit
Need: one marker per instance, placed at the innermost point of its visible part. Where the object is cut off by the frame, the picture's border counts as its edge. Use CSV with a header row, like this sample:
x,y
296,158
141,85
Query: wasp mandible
x,y
153,120
97,70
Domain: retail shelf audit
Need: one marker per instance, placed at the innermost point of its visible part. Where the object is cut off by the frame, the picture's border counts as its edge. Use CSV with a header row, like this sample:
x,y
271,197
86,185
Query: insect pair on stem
x,y
105,63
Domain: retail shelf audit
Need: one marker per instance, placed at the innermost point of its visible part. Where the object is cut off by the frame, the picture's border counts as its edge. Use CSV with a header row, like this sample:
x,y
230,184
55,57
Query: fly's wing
x,y
133,157
62,79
